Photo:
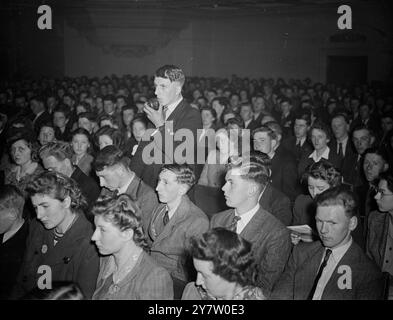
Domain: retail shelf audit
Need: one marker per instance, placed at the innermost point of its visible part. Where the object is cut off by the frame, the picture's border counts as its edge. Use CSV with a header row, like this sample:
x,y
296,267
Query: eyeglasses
x,y
383,194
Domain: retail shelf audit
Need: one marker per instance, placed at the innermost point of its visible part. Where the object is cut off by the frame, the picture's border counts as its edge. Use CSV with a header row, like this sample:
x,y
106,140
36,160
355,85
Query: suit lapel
x,y
255,226
179,215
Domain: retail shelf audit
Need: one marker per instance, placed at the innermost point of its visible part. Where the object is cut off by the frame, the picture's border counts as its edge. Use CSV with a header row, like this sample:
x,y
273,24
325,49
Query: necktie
x,y
233,225
340,150
164,111
165,219
319,274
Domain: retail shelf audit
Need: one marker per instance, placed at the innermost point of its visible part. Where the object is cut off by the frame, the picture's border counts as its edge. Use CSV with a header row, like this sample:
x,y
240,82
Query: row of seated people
x,y
155,253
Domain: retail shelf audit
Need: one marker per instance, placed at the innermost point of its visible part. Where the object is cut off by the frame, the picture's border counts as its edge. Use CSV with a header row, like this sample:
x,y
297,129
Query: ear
x,y
385,167
67,202
253,190
183,189
274,143
127,234
372,140
178,88
353,222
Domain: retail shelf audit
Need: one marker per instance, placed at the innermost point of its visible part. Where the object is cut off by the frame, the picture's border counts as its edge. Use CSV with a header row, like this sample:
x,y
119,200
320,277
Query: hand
x,y
295,238
154,116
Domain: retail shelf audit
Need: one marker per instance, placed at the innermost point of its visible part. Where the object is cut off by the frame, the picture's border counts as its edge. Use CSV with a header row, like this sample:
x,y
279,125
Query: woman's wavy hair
x,y
123,213
115,135
59,187
325,171
231,255
30,140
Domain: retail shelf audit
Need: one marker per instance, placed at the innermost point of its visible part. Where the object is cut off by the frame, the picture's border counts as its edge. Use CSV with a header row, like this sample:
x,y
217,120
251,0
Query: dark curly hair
x,y
115,135
30,140
325,171
230,254
59,187
123,213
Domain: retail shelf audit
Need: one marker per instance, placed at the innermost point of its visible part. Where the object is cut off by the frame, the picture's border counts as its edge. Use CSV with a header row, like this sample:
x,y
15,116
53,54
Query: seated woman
x,y
379,244
320,176
25,167
225,266
58,245
127,271
107,136
81,148
320,135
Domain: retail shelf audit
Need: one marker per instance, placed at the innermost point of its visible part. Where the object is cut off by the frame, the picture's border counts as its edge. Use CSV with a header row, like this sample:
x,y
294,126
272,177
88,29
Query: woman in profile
x,y
127,272
225,268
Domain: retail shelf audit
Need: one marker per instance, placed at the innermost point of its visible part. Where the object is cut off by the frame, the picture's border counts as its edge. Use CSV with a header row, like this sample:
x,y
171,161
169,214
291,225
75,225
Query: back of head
x,y
59,149
110,156
11,198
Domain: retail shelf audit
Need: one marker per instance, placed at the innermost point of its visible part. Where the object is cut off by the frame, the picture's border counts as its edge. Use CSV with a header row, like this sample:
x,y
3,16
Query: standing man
x,y
173,113
334,268
245,181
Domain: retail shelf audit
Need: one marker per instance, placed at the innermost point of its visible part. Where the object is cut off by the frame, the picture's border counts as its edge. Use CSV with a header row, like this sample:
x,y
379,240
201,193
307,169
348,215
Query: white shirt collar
x,y
324,155
172,106
246,123
302,140
338,253
245,218
124,188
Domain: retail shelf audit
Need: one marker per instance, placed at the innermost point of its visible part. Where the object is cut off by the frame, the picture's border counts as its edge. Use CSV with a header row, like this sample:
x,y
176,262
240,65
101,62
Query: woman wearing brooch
x,y
58,245
225,266
126,271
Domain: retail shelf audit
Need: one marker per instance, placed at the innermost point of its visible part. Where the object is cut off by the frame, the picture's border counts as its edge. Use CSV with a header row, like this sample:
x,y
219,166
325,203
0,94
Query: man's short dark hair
x,y
184,173
11,198
171,72
303,115
110,156
109,97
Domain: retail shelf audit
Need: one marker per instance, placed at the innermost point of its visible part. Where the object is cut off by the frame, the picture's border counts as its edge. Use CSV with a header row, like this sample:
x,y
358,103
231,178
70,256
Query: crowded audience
x,y
196,194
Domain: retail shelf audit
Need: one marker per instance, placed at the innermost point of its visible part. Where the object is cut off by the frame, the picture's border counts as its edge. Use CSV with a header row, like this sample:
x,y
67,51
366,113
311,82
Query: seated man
x,y
174,222
334,267
57,156
245,181
112,168
13,234
267,139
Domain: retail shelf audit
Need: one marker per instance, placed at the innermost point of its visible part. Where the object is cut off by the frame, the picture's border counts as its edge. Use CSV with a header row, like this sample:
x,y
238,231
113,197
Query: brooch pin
x,y
44,248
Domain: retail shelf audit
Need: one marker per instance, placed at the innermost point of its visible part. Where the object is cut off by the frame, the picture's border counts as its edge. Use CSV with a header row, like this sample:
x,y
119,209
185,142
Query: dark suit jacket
x,y
304,211
145,197
352,171
145,281
290,145
11,257
271,243
169,248
183,117
43,118
74,258
87,185
252,125
298,278
284,175
378,228
276,203
349,151
305,161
